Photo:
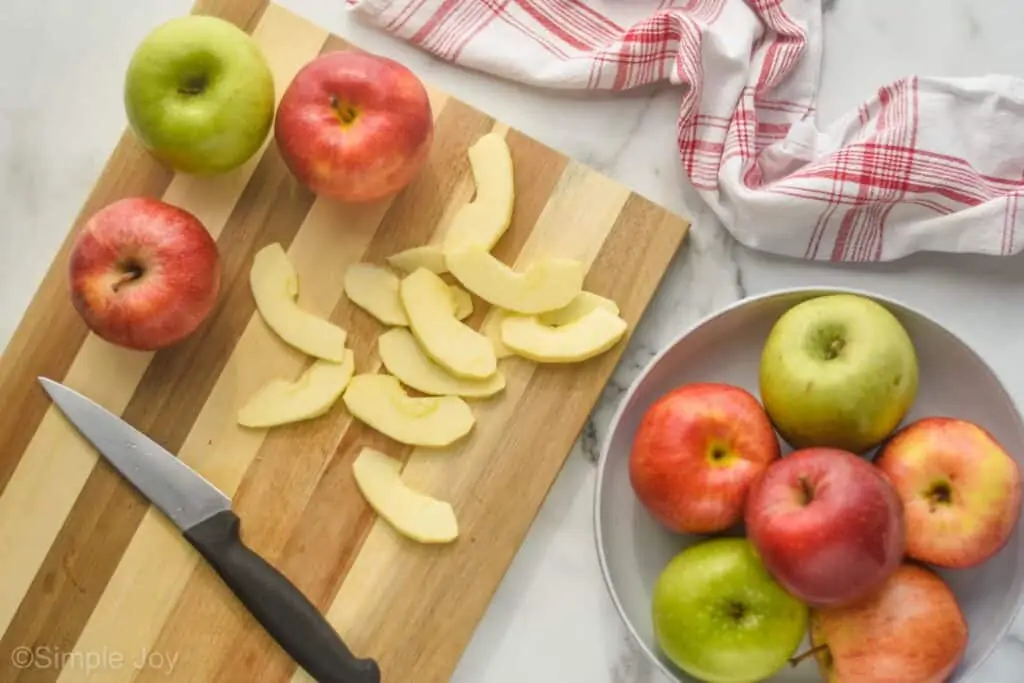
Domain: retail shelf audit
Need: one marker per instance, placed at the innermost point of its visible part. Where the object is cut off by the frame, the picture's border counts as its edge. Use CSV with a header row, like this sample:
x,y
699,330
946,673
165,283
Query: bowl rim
x,y
626,398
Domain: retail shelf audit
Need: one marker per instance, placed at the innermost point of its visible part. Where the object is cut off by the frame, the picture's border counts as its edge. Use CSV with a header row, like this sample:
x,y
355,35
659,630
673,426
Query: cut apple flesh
x,y
402,356
432,421
582,303
483,221
375,290
584,338
280,402
492,329
458,348
428,256
462,302
411,513
275,287
545,286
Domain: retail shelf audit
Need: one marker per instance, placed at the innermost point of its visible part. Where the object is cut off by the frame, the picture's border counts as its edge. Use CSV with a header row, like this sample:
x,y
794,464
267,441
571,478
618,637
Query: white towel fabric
x,y
925,165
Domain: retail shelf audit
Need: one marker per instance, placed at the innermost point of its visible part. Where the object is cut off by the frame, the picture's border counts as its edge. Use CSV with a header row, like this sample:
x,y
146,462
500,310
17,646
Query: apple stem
x,y
794,661
129,275
834,348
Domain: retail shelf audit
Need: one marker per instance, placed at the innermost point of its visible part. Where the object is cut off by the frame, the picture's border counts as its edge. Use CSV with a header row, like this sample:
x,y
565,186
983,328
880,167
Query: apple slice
x,y
583,303
584,338
427,256
458,348
492,329
547,285
462,302
275,286
432,421
413,514
403,358
375,290
280,401
483,221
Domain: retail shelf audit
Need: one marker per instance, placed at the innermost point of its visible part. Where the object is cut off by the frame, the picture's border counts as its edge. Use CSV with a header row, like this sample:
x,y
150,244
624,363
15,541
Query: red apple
x,y
696,452
909,631
960,490
143,273
354,126
827,524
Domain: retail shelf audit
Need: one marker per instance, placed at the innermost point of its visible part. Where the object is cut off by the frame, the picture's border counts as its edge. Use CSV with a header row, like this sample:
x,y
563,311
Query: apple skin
x,y
697,451
960,489
199,95
143,274
838,371
910,631
719,616
827,524
355,127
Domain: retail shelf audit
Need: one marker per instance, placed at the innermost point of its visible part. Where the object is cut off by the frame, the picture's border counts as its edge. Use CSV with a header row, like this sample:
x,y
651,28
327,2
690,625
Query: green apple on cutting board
x,y
721,617
838,371
199,94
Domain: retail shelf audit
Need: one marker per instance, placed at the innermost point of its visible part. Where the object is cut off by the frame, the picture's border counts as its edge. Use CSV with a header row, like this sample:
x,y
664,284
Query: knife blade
x,y
206,519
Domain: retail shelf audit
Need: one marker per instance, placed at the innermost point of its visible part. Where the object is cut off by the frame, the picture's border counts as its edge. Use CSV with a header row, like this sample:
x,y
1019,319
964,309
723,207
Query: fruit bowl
x,y
726,347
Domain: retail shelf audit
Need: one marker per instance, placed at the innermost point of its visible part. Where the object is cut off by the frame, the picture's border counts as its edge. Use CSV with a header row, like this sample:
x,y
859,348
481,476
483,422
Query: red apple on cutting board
x,y
696,452
827,524
354,126
960,489
144,274
909,631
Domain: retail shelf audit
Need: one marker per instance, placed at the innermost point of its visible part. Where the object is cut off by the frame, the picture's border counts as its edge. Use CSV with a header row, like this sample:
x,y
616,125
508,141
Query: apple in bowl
x,y
828,525
354,126
960,488
143,274
912,629
696,453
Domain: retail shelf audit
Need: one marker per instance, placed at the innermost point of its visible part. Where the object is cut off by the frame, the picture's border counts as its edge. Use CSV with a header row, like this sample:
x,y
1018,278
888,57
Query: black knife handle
x,y
278,605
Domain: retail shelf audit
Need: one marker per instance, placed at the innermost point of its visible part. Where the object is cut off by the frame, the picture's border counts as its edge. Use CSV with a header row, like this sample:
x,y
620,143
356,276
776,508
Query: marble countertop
x,y
551,621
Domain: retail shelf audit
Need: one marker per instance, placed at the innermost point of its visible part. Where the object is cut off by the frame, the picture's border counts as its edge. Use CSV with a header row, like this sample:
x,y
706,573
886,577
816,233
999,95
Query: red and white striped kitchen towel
x,y
926,164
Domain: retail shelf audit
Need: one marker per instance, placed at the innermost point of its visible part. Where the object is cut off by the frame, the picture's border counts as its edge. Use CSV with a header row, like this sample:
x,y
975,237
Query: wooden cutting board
x,y
91,577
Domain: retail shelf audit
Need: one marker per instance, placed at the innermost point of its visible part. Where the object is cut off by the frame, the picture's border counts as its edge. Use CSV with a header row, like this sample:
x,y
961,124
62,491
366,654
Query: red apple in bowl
x,y
144,274
354,126
827,524
910,631
960,490
696,452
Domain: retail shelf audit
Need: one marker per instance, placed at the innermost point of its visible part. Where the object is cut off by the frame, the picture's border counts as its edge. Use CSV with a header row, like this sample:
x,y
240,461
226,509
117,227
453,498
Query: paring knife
x,y
205,518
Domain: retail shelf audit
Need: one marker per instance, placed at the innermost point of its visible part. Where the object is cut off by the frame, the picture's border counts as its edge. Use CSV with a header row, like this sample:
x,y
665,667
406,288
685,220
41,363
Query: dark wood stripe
x,y
243,13
165,405
276,488
335,521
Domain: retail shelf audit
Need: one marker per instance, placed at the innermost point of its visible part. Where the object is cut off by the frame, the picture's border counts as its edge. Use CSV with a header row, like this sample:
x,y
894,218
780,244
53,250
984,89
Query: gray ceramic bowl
x,y
725,347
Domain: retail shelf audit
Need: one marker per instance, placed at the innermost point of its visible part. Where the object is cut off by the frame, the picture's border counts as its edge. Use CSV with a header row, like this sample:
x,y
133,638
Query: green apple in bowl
x,y
838,371
720,616
199,95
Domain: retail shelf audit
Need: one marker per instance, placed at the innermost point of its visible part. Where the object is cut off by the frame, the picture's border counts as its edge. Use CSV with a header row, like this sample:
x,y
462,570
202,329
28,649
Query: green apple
x,y
199,94
720,617
838,371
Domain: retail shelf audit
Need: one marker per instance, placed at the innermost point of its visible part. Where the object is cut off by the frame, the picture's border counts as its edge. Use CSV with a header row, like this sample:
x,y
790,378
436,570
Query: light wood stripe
x,y
57,459
142,390
158,562
466,474
279,482
334,523
87,566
